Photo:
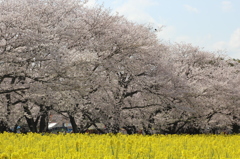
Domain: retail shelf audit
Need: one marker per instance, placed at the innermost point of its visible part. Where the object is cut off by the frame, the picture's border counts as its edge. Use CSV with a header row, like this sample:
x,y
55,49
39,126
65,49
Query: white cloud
x,y
91,3
220,45
135,10
183,39
232,47
235,39
226,6
138,11
234,44
167,33
190,8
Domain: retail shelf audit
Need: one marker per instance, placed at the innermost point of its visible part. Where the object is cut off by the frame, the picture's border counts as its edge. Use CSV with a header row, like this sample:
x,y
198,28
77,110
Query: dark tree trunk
x,y
115,128
16,125
30,121
73,123
3,126
192,130
15,128
44,119
44,122
8,97
214,130
235,128
116,118
146,130
130,129
31,124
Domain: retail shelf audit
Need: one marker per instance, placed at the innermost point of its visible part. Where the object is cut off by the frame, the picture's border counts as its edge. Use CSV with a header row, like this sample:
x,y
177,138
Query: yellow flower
x,y
4,156
83,146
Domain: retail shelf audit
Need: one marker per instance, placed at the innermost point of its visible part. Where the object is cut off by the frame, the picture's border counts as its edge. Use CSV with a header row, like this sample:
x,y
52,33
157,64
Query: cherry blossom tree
x,y
211,77
92,66
31,48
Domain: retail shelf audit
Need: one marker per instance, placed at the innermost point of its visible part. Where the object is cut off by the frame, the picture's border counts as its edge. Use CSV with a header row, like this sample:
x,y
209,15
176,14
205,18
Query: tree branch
x,y
13,90
141,107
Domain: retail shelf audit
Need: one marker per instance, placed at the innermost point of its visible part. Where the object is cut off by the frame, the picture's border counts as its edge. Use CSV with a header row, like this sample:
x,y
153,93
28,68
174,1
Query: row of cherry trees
x,y
98,67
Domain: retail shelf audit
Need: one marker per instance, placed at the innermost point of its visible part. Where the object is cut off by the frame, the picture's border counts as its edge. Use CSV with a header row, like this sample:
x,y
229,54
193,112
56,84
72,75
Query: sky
x,y
213,25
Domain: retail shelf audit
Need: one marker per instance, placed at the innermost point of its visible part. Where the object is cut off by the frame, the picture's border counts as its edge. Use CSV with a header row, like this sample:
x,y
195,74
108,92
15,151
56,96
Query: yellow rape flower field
x,y
89,146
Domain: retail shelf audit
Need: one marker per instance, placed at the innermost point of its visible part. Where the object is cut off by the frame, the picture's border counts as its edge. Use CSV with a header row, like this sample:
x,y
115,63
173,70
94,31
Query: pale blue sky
x,y
211,24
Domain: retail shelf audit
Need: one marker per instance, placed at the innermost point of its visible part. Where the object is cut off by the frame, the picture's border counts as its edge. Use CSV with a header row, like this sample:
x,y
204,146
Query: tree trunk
x,y
115,128
146,130
235,128
130,129
31,124
44,119
115,125
73,123
44,122
30,121
15,128
16,125
3,126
